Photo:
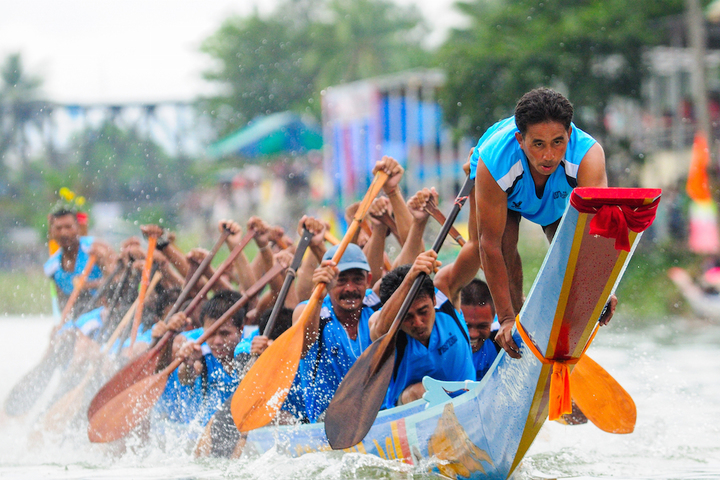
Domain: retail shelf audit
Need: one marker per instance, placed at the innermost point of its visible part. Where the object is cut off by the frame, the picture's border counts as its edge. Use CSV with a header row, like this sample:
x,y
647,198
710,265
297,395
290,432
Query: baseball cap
x,y
353,257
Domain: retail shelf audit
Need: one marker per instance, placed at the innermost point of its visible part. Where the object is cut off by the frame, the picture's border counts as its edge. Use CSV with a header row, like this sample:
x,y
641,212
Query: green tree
x,y
284,61
592,49
259,67
122,165
19,106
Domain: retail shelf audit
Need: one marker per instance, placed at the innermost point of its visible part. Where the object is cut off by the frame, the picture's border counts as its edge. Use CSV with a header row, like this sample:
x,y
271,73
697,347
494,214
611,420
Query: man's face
x,y
65,230
420,319
544,145
348,290
479,319
222,344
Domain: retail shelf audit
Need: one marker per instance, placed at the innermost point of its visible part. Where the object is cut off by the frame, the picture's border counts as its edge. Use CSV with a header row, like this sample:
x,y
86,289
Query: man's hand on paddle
x,y
394,170
326,273
262,231
426,263
417,202
379,207
235,232
259,344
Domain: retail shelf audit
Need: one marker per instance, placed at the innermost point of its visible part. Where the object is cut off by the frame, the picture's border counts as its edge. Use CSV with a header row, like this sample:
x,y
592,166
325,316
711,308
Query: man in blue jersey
x,y
526,166
72,256
433,340
338,331
479,313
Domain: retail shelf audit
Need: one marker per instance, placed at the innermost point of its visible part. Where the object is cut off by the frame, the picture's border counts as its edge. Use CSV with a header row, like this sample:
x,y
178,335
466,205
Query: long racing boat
x,y
486,429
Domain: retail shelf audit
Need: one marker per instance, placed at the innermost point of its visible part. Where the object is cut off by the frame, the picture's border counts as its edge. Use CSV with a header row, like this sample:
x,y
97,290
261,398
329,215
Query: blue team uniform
x,y
330,358
180,403
484,358
447,357
53,267
508,165
219,386
88,323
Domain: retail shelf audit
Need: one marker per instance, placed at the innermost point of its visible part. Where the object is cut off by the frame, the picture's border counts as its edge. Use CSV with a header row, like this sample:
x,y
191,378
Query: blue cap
x,y
353,257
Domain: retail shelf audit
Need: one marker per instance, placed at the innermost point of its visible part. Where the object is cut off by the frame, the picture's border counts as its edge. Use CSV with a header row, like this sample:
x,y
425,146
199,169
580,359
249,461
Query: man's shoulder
x,y
53,263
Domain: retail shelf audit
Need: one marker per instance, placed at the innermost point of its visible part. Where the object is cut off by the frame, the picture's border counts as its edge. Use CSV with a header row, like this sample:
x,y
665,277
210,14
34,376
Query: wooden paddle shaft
x,y
434,212
249,293
92,302
77,288
144,281
198,273
169,335
289,277
410,298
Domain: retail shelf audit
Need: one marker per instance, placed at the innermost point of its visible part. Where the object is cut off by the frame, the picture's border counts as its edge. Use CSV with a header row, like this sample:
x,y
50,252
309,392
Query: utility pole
x,y
697,36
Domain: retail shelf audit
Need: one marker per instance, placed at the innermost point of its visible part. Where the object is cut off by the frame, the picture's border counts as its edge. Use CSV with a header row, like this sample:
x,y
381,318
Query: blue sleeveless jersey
x,y
447,357
508,165
484,358
329,359
220,386
53,267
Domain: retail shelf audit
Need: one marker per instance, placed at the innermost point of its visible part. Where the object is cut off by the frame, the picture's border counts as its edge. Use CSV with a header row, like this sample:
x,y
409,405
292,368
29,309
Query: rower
x,y
432,341
339,332
212,364
74,252
479,313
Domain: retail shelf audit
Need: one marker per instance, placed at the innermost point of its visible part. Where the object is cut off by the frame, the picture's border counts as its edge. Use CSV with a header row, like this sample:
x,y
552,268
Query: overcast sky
x,y
133,50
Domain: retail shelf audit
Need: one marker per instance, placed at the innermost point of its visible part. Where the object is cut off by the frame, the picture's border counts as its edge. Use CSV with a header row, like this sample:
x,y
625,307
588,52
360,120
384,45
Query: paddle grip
x,y
289,277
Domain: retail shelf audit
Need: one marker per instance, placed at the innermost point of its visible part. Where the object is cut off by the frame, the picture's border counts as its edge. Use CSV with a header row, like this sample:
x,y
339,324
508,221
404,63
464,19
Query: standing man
x,y
526,166
72,256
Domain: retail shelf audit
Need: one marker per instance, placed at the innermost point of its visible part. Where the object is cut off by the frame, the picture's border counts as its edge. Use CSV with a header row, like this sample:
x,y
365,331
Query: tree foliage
x,y
266,65
590,49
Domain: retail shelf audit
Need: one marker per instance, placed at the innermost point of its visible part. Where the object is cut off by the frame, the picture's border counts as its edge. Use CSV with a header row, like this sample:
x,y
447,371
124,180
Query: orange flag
x,y
698,186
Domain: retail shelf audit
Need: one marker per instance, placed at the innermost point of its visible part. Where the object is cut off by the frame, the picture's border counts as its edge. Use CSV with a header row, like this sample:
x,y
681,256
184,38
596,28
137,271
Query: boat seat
x,y
437,391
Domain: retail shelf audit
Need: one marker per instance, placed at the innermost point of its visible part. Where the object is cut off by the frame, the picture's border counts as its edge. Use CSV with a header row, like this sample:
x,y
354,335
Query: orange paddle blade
x,y
601,398
263,390
123,413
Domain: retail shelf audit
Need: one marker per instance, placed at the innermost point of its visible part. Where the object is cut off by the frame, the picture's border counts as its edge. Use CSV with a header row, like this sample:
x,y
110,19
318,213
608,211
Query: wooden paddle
x,y
26,392
146,363
435,212
265,386
601,398
357,401
79,284
144,282
205,442
121,415
63,411
100,292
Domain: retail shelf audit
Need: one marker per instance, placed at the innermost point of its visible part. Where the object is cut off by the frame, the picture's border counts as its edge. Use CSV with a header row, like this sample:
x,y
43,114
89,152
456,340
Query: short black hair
x,y
395,277
476,293
283,322
221,303
542,105
62,211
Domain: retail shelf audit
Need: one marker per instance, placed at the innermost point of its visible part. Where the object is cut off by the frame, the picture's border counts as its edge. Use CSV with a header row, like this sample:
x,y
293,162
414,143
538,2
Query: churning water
x,y
671,369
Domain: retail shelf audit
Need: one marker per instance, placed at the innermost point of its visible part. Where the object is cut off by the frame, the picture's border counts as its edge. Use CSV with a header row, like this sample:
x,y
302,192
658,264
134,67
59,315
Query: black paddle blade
x,y
360,395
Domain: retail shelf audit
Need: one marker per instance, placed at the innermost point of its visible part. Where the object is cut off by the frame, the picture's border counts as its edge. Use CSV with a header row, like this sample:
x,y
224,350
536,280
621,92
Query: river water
x,y
671,368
